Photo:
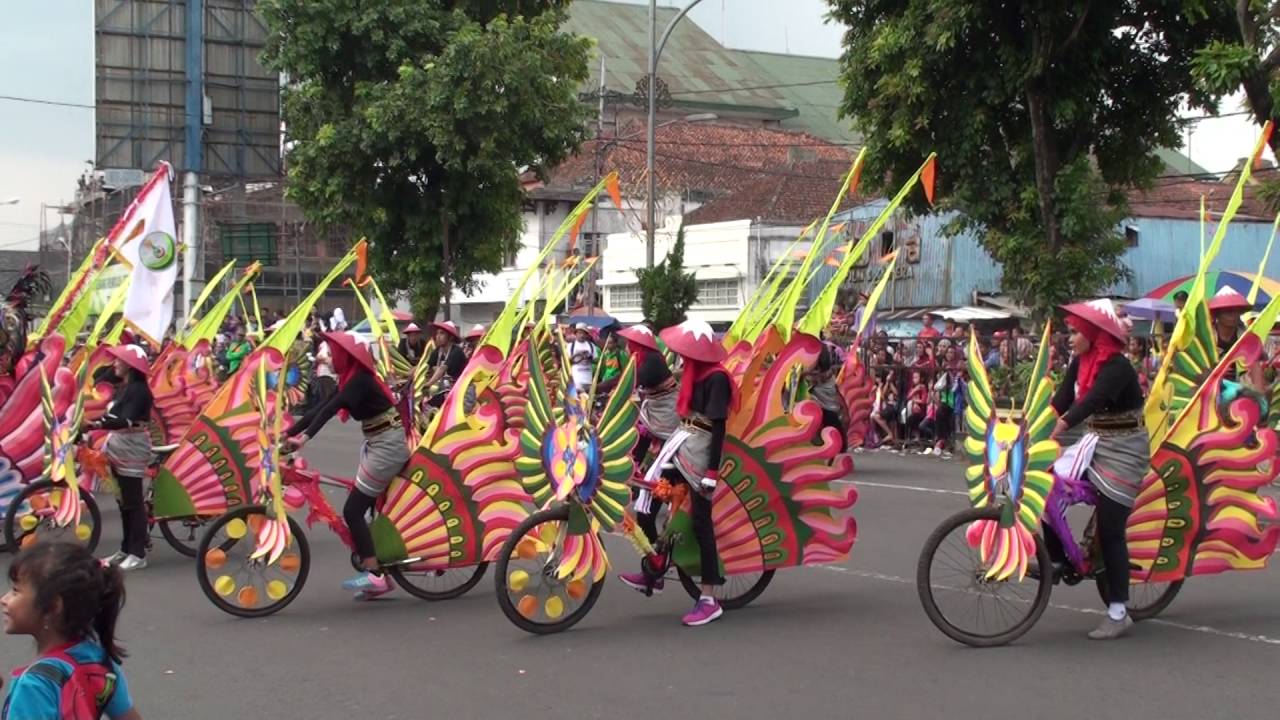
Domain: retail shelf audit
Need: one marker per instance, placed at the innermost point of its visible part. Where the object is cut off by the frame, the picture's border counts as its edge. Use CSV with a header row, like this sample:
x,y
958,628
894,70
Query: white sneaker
x,y
132,562
927,451
115,558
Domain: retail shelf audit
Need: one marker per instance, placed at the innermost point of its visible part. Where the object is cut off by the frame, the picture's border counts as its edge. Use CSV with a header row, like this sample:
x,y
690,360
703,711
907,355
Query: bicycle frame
x,y
1067,493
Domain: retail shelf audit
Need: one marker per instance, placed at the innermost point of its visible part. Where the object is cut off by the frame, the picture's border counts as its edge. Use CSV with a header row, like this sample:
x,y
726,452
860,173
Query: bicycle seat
x,y
161,452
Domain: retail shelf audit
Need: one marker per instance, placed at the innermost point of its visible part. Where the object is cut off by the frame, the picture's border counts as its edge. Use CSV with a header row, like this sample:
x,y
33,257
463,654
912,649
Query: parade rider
x,y
412,345
703,403
1101,389
447,360
656,387
472,340
582,357
1225,309
364,396
821,377
128,451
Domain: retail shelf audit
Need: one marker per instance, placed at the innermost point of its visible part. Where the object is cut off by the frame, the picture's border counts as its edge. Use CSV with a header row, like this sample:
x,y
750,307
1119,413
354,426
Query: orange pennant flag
x,y
615,193
362,259
927,177
1262,146
857,175
577,228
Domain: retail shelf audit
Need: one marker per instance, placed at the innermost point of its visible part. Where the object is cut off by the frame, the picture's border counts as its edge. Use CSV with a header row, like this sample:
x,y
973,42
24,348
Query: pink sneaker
x,y
640,583
368,585
706,610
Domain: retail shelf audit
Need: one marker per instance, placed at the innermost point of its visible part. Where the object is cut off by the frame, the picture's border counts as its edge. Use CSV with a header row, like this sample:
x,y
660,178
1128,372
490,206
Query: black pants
x,y
133,516
354,512
1112,517
945,423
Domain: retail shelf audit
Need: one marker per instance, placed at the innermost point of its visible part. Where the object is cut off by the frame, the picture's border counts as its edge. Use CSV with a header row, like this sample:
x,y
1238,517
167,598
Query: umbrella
x,y
1241,282
1149,308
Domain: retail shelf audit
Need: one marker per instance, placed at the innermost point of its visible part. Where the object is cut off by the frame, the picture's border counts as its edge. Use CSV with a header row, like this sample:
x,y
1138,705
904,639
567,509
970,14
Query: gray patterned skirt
x,y
129,451
382,457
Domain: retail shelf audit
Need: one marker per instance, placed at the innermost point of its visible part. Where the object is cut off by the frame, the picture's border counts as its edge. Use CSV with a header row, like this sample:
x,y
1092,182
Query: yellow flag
x,y
1262,266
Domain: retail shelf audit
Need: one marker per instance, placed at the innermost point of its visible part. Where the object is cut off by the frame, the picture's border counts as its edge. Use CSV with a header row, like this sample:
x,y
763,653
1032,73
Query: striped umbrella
x,y
1241,282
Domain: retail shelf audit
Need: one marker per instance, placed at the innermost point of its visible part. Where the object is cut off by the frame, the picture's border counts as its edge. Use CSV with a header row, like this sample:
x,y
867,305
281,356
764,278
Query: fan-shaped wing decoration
x,y
1189,368
215,467
858,390
776,505
297,375
458,498
1198,511
540,418
98,393
22,434
61,429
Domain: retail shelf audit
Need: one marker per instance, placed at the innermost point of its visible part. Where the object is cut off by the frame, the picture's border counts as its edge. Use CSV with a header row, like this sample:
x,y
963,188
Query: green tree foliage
x,y
1042,112
410,119
666,290
1246,57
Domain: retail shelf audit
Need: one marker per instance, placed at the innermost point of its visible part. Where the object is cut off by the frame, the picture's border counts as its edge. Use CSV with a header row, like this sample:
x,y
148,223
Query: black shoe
x,y
1056,566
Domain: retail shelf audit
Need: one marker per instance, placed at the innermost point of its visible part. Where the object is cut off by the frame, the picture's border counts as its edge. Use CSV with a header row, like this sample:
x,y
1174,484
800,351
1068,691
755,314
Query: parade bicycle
x,y
240,584
526,568
960,598
32,517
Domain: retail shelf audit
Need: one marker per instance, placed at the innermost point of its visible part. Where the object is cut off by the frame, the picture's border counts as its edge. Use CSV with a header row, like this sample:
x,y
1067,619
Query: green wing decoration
x,y
979,424
1038,420
617,435
539,415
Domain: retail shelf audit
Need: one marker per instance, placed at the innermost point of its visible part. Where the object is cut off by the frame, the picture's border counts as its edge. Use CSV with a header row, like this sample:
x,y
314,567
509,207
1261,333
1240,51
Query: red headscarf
x,y
1102,347
694,373
346,365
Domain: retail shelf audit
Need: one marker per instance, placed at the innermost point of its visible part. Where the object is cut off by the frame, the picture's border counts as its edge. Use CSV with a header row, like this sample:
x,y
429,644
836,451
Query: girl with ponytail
x,y
69,602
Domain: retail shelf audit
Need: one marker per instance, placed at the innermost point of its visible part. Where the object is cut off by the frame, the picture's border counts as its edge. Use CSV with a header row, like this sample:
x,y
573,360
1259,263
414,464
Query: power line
x,y
41,101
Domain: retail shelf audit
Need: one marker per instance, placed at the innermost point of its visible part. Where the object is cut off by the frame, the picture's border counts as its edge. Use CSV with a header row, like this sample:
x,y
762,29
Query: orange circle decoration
x,y
248,596
290,563
527,606
576,589
215,559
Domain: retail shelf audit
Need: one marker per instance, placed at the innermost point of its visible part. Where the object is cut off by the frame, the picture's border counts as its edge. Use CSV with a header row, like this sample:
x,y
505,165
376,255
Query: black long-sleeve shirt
x,y
711,398
132,406
361,396
1115,390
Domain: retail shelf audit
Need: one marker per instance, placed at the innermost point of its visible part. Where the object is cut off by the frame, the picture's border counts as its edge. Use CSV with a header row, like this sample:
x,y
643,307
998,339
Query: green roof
x,y
702,74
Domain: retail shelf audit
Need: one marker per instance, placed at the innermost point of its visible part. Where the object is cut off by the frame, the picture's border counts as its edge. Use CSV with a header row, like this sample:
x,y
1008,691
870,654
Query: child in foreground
x,y
69,602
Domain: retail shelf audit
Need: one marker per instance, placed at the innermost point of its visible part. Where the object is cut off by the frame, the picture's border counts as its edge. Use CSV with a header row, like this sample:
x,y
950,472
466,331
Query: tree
x,y
1246,57
1043,114
666,290
409,120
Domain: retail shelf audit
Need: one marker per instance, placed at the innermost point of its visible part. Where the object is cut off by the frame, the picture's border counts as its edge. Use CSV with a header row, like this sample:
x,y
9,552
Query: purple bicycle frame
x,y
1066,493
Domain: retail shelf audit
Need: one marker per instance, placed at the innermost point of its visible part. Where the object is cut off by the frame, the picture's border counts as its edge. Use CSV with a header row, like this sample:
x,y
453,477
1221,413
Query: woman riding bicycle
x,y
703,402
364,396
1102,389
128,451
447,361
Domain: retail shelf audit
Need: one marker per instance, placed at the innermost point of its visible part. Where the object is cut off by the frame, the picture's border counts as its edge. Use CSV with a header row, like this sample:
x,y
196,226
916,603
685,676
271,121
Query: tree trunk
x,y
1044,145
448,269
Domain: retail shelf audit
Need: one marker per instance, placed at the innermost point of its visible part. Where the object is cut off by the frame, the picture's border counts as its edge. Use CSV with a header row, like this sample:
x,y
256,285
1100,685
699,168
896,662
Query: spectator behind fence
x,y
928,331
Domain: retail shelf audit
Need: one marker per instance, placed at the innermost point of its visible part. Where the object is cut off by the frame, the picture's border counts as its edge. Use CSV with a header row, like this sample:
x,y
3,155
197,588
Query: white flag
x,y
147,239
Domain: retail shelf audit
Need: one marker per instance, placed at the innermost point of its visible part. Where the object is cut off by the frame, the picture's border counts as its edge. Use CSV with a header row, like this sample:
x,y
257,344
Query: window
x,y
624,297
718,293
591,244
886,242
509,255
249,241
1130,236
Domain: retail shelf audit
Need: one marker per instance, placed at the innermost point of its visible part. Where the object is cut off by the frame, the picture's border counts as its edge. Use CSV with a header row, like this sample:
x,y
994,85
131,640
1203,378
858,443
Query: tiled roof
x,y
701,160
1180,200
796,193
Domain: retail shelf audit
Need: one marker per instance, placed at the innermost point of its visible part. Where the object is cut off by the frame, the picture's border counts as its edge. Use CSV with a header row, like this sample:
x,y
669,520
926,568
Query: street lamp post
x,y
655,52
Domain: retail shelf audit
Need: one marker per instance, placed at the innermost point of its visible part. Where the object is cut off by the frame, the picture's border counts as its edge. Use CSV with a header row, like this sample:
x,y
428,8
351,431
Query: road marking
x,y
1204,629
913,488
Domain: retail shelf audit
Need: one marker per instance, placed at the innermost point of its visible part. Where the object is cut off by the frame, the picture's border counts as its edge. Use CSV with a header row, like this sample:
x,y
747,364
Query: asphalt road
x,y
839,642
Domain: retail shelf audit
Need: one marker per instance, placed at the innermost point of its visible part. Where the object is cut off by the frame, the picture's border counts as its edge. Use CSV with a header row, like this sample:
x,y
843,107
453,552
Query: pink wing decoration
x,y
858,391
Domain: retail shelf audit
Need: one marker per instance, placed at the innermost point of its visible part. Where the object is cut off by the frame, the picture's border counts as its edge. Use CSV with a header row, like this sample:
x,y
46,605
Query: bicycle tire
x,y
183,547
925,588
13,540
397,573
728,603
500,578
1146,611
207,585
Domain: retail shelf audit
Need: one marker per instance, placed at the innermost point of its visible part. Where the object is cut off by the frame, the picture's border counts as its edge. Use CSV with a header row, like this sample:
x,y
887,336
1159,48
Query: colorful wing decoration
x,y
1010,463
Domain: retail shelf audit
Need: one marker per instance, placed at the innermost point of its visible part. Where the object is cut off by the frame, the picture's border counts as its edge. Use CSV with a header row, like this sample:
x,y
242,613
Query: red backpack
x,y
85,691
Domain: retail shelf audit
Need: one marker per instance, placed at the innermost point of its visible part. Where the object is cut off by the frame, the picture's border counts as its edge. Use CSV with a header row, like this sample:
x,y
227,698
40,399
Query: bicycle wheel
x,y
240,585
528,591
737,592
964,605
437,584
183,534
29,517
1146,600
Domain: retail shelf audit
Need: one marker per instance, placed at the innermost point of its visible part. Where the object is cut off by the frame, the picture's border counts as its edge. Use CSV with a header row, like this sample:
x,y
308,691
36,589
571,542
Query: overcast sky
x,y
46,53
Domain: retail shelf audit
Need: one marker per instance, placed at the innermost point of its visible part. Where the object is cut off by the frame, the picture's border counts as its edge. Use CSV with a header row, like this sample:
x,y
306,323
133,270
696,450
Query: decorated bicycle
x,y
773,507
985,574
